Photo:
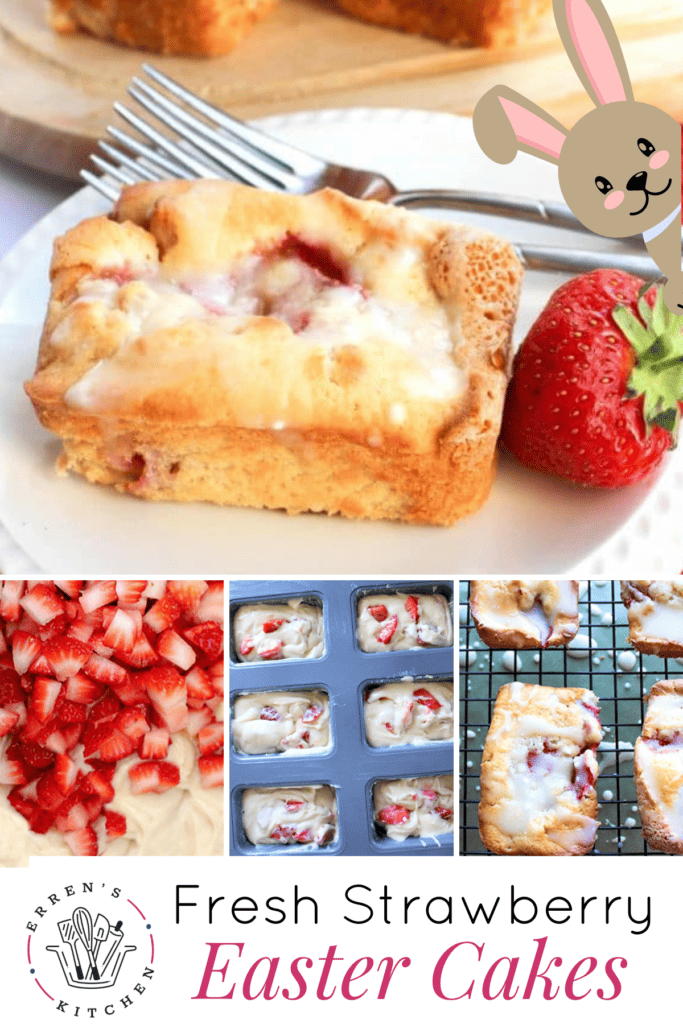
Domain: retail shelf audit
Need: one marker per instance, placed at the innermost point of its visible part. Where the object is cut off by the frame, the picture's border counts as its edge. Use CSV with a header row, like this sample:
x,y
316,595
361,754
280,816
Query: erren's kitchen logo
x,y
90,937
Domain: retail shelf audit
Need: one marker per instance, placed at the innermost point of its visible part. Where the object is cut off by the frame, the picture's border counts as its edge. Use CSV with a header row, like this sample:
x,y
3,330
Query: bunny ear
x,y
591,43
506,122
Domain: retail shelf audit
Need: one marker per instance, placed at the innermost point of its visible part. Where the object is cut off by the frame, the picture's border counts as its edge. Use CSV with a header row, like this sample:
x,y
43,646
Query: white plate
x,y
530,523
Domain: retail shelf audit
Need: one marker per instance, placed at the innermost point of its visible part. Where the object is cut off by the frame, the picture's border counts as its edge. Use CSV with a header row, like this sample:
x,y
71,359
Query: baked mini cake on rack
x,y
203,28
398,622
299,815
658,761
274,632
111,731
289,722
414,807
408,712
538,772
525,613
209,341
655,615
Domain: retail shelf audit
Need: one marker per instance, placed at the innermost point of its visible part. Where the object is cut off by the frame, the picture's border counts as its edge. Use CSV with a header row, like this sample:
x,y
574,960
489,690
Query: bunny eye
x,y
604,185
645,147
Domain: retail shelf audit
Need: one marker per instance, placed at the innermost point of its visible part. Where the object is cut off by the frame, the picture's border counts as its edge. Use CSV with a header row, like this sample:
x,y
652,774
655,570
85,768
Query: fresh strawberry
x,y
105,671
211,604
97,594
65,773
187,593
426,699
66,656
42,603
174,649
283,833
412,607
210,738
25,650
378,611
162,614
34,757
121,633
8,719
12,773
198,684
168,692
10,609
72,588
117,745
271,625
70,710
141,655
208,637
429,794
153,776
133,723
386,632
304,837
247,646
197,720
10,687
597,386
44,697
82,842
129,592
444,812
270,650
294,805
312,714
115,824
95,784
82,690
154,746
211,769
394,814
270,714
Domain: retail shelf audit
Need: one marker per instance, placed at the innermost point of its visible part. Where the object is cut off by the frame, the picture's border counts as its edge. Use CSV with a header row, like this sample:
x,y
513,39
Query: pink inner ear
x,y
594,52
532,130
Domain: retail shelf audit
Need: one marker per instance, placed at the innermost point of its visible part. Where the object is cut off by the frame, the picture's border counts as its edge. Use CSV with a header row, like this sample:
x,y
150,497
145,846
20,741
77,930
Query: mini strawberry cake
x,y
655,615
274,632
414,807
525,613
538,772
290,722
111,731
298,816
407,712
397,622
658,761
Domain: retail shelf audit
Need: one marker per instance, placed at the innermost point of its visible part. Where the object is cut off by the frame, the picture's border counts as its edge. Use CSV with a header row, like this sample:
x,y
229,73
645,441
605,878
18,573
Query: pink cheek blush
x,y
613,200
659,159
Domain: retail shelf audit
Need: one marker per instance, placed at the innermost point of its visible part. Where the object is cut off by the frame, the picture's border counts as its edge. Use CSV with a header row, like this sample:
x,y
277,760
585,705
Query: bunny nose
x,y
638,183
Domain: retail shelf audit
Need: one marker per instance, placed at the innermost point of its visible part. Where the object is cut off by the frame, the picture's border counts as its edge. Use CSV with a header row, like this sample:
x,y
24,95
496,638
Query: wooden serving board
x,y
56,92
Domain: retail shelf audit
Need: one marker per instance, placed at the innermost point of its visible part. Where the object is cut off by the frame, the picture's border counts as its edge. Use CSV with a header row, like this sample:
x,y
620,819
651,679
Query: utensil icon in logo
x,y
92,943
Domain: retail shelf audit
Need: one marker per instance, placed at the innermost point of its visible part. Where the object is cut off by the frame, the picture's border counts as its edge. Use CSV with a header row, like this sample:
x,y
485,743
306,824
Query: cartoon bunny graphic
x,y
619,166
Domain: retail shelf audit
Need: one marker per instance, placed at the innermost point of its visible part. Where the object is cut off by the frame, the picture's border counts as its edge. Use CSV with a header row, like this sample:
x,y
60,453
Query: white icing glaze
x,y
301,632
394,716
658,616
529,607
661,771
287,733
433,627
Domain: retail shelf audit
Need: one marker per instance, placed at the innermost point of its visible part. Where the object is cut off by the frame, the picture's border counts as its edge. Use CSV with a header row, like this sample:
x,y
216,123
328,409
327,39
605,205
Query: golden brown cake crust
x,y
530,723
657,830
642,599
181,27
490,23
245,413
564,627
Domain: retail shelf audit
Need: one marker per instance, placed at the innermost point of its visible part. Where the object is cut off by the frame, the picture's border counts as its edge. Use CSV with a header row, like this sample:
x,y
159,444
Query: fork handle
x,y
572,261
554,215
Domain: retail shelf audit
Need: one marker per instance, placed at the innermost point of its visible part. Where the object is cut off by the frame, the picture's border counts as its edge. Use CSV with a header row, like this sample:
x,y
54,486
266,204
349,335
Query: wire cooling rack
x,y
606,664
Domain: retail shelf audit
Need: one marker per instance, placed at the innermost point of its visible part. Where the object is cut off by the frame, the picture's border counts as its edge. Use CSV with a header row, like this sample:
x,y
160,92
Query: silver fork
x,y
206,142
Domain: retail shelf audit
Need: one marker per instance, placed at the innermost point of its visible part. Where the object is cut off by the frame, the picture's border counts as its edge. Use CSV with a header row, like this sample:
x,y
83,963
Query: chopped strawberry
x,y
273,624
211,769
153,776
69,710
187,593
97,594
8,719
42,603
72,588
105,709
115,824
162,614
95,784
198,684
270,650
154,590
35,757
130,591
283,833
10,609
80,630
412,607
66,655
132,722
154,746
378,611
444,812
247,646
197,720
208,637
386,632
141,655
305,837
105,671
270,714
172,647
50,797
117,745
12,773
82,842
394,814
44,697
312,714
210,738
20,710
10,687
168,692
82,690
426,699
429,794
132,691
65,773
55,628
25,650
122,632
294,805
211,604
